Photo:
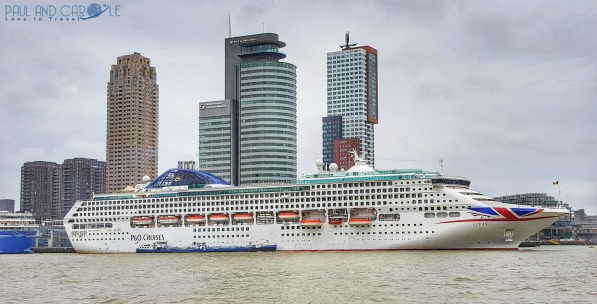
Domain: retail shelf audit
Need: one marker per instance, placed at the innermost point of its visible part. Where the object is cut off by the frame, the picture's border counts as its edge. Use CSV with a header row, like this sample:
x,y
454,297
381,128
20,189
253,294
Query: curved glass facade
x,y
267,122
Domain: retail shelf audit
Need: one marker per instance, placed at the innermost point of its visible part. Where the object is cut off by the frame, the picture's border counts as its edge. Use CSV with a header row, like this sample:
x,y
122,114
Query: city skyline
x,y
503,94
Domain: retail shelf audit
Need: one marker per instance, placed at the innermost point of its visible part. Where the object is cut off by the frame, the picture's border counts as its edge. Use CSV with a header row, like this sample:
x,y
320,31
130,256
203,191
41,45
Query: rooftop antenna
x,y
263,26
229,26
347,45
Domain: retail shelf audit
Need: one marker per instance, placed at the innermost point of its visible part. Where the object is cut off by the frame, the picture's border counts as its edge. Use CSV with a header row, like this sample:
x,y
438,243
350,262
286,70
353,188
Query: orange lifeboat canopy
x,y
310,222
359,221
195,218
168,219
219,217
243,216
142,220
288,215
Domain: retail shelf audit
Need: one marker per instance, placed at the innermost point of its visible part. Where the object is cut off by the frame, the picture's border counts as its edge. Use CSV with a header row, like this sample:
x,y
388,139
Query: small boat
x,y
310,222
168,219
335,222
142,220
359,221
288,215
162,247
219,217
266,248
195,218
243,216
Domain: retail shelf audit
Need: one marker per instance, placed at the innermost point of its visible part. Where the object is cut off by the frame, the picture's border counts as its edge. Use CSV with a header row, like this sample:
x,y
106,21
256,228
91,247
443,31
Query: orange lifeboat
x,y
219,217
310,222
195,218
168,219
288,215
142,220
243,216
335,222
359,221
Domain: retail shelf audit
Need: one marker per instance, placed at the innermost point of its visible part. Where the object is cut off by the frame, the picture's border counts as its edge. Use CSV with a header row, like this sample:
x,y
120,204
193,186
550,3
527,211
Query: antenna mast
x,y
347,45
229,26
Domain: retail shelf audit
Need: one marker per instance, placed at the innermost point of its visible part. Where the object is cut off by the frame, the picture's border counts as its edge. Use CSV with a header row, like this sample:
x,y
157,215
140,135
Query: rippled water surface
x,y
547,274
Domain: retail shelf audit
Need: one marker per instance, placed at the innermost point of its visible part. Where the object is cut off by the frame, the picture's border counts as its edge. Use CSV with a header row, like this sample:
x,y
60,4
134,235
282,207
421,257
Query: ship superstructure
x,y
357,209
17,232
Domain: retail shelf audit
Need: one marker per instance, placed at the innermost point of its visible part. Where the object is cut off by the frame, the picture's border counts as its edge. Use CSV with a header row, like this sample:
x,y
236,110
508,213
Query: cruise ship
x,y
17,232
357,209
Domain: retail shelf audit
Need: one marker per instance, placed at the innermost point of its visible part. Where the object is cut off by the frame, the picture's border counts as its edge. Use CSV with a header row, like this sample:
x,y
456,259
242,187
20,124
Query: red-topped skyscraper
x,y
352,102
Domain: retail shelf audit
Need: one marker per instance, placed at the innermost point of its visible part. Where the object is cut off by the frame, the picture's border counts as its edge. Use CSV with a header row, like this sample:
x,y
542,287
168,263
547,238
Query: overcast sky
x,y
505,92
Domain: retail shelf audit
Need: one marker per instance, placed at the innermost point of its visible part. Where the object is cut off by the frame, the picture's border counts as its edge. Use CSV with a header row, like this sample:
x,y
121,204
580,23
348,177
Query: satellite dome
x,y
319,163
146,179
333,167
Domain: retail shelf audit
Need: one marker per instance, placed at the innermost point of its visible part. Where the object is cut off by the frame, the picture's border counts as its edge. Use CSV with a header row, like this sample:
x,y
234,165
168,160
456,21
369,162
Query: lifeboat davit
x,y
168,219
195,218
142,220
359,221
288,215
310,222
243,216
219,217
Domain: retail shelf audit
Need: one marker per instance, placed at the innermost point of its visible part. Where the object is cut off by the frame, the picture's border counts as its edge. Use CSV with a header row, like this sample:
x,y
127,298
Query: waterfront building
x,y
81,178
7,205
585,226
342,152
561,229
352,93
259,110
52,234
132,127
41,189
49,189
332,130
218,139
187,164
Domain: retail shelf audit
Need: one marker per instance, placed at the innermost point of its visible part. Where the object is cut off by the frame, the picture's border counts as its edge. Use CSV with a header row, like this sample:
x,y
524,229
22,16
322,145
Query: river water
x,y
547,274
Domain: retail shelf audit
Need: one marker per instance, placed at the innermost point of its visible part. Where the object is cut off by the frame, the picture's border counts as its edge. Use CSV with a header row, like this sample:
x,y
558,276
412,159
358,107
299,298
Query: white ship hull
x,y
463,235
381,210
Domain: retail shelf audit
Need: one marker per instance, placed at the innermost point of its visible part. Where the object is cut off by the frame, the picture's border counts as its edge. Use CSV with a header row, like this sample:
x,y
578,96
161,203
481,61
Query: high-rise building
x,y
81,178
261,116
41,189
48,189
332,130
218,139
342,148
132,129
7,205
352,95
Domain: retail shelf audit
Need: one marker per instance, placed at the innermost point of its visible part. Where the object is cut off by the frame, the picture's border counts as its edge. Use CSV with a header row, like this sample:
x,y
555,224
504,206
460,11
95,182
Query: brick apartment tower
x,y
132,128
